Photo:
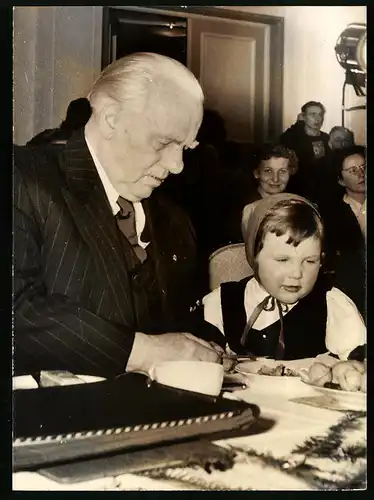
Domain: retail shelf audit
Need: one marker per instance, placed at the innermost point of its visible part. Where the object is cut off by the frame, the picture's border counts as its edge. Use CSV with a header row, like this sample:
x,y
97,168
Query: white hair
x,y
136,77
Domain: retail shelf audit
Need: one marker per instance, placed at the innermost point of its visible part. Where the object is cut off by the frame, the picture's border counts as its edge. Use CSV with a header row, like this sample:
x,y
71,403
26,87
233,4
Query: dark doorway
x,y
164,30
144,32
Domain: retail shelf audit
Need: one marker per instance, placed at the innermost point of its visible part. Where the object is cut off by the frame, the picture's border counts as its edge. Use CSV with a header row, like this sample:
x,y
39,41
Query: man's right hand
x,y
151,350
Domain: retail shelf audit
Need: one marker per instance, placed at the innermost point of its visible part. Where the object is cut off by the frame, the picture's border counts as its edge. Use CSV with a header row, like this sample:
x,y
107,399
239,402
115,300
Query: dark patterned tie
x,y
126,223
268,304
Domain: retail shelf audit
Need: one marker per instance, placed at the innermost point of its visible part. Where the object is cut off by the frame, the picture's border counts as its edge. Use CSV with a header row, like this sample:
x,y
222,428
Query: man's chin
x,y
143,191
137,193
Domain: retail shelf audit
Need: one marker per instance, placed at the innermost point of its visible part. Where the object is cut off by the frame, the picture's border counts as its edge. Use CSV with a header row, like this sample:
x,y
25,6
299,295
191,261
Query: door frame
x,y
276,24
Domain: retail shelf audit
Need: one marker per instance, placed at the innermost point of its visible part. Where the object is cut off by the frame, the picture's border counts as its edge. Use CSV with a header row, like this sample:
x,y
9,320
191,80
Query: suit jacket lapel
x,y
92,214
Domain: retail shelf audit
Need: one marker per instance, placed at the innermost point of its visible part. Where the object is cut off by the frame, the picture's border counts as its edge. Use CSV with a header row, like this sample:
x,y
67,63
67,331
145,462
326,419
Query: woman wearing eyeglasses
x,y
352,177
345,224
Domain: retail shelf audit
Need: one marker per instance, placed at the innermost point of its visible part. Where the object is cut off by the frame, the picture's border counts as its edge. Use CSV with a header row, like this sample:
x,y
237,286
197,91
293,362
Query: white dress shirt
x,y
359,209
345,328
112,196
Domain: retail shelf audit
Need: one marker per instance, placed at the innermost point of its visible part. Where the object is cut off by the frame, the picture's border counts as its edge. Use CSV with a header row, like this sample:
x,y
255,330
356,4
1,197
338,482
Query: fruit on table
x,y
348,374
350,380
340,368
345,375
319,374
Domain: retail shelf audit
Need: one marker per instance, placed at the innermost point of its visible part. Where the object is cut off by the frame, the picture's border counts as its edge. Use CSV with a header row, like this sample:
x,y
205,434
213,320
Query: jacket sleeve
x,y
289,138
50,331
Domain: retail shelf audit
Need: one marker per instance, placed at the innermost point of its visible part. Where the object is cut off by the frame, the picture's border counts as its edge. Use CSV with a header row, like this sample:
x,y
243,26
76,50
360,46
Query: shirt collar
x,y
112,196
255,291
110,191
353,203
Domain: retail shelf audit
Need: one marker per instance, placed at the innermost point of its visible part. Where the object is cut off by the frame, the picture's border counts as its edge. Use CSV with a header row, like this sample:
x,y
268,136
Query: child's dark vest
x,y
304,326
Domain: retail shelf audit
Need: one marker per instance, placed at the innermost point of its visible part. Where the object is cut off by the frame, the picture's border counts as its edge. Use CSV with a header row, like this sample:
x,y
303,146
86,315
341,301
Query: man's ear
x,y
109,117
341,182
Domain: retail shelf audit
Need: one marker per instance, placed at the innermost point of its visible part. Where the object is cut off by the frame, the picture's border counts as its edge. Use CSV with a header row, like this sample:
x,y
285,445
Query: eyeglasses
x,y
355,170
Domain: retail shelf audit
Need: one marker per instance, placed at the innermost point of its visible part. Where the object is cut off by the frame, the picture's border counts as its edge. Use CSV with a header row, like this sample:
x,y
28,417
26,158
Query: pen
x,y
233,386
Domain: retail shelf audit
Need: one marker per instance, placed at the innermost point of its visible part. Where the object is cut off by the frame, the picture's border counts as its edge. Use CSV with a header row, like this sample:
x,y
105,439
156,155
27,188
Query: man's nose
x,y
174,162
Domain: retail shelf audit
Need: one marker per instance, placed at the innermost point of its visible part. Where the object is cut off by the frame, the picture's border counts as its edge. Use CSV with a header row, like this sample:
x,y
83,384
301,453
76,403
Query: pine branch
x,y
330,444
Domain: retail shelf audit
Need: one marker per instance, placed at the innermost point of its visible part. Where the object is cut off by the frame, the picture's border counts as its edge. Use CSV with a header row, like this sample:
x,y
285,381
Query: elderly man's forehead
x,y
175,121
182,126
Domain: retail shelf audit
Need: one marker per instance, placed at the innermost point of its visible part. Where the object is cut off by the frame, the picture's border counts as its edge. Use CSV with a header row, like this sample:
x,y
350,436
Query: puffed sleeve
x,y
213,309
345,329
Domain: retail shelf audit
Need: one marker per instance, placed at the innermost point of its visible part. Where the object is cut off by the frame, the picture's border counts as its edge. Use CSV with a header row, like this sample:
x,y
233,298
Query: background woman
x,y
273,171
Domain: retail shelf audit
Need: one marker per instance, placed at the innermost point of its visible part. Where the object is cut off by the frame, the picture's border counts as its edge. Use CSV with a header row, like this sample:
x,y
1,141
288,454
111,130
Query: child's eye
x,y
282,259
310,261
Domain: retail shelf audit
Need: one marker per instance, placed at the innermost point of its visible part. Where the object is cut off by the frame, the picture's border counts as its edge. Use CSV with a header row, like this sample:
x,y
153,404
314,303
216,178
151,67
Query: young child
x,y
287,310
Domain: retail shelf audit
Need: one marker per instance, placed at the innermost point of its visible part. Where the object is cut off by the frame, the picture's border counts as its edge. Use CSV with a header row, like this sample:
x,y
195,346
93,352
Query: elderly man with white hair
x,y
104,267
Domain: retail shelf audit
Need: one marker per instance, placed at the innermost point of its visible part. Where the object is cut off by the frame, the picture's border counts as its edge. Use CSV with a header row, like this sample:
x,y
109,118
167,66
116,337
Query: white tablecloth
x,y
333,459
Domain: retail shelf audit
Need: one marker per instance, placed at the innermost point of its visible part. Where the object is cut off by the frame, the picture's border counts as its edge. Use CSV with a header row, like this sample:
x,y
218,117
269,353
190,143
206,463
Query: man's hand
x,y
151,350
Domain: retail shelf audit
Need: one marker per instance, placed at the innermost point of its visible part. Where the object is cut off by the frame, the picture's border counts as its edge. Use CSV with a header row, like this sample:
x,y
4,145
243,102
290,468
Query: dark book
x,y
58,424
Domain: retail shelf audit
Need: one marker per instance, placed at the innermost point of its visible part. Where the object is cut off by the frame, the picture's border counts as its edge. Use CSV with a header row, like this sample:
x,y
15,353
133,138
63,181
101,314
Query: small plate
x,y
296,365
273,384
349,400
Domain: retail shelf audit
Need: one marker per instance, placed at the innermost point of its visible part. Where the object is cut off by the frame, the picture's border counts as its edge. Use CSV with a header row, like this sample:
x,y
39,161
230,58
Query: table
x,y
307,448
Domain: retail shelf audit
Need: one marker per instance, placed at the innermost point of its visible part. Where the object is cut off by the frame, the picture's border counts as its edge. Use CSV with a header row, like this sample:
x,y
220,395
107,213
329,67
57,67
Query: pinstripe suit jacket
x,y
73,299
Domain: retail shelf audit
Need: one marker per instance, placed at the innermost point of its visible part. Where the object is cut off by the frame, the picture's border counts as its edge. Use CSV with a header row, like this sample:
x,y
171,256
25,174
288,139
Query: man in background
x,y
323,186
309,142
104,268
77,115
